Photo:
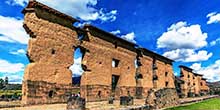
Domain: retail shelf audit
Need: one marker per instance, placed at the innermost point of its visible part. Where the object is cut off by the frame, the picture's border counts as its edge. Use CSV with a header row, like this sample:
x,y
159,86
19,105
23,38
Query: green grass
x,y
210,104
10,92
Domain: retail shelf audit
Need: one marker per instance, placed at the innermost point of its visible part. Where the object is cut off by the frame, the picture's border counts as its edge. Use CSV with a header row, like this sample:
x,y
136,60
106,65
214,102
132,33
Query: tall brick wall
x,y
53,40
192,81
99,61
204,86
146,71
50,51
163,69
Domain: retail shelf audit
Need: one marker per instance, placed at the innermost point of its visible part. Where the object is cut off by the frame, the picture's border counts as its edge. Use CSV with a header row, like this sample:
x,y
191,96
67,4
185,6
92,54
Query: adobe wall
x,y
192,82
53,39
204,86
146,71
99,61
198,84
187,77
162,68
50,51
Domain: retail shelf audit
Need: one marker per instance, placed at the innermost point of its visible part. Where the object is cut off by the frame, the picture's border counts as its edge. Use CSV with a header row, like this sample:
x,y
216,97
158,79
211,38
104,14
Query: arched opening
x,y
76,68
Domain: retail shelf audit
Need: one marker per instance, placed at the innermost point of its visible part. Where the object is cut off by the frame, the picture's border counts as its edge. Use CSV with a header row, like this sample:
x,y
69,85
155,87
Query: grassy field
x,y
10,92
211,104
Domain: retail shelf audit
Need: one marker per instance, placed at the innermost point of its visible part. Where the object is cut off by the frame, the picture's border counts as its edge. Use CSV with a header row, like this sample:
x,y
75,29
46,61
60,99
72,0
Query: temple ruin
x,y
194,84
112,66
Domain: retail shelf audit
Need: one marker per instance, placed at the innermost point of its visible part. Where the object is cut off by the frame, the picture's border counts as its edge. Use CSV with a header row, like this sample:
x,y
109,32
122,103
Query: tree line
x,y
3,82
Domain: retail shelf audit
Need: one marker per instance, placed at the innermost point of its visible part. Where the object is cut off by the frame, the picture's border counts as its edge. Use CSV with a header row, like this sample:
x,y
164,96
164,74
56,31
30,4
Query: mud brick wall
x,y
50,51
146,71
163,69
53,40
186,76
204,86
198,84
192,81
99,58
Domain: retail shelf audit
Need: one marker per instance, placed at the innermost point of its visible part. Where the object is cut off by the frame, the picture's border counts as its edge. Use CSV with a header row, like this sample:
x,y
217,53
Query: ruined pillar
x,y
47,79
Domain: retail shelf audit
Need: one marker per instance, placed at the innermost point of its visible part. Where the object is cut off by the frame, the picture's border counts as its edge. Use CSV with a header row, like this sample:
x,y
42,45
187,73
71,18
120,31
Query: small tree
x,y
1,83
6,80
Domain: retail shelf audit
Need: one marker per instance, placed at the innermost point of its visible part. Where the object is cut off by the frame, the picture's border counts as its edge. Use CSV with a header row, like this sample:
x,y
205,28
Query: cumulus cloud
x,y
18,52
8,67
129,37
181,35
183,42
83,9
76,68
116,32
214,42
213,17
187,55
211,72
11,30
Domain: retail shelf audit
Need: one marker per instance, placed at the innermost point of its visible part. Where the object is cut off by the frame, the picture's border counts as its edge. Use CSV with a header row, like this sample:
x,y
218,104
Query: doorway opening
x,y
115,79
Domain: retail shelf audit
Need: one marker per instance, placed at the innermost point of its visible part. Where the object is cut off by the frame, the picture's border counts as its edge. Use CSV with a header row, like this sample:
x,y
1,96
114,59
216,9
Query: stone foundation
x,y
40,92
95,92
162,98
102,92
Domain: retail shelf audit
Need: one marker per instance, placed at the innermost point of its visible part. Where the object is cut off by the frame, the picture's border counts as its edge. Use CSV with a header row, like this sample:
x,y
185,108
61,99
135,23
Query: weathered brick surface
x,y
51,48
146,71
162,68
204,87
99,61
193,82
50,51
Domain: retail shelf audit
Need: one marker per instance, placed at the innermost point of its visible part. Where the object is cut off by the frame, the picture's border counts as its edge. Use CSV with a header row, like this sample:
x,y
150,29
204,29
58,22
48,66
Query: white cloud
x,y
13,78
211,72
213,18
214,42
129,37
182,36
175,73
11,30
116,32
76,67
187,55
17,2
84,9
18,52
183,43
7,67
81,24
196,66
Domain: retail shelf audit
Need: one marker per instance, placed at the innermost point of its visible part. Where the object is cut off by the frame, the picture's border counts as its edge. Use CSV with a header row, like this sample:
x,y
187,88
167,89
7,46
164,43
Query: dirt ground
x,y
40,107
103,105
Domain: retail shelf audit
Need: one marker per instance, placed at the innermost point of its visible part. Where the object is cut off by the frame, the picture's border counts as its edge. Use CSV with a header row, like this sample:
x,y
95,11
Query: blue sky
x,y
186,31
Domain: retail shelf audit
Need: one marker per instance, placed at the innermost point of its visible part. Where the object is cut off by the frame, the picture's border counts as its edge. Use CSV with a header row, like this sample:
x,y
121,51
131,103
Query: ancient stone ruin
x,y
108,61
194,84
